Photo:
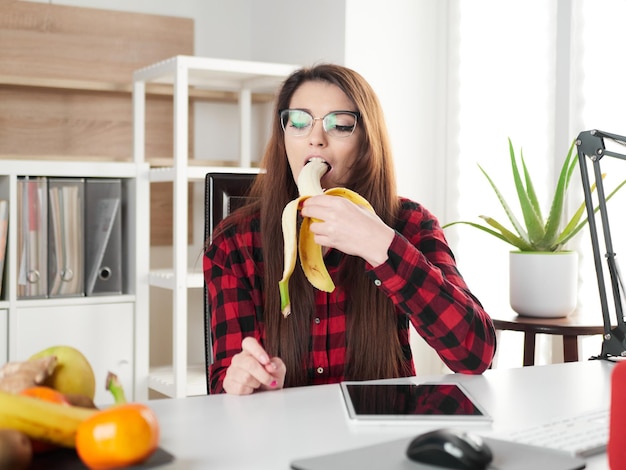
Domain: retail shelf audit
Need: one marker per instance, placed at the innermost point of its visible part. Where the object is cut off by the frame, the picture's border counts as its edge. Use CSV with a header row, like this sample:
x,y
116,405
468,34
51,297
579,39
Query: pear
x,y
73,373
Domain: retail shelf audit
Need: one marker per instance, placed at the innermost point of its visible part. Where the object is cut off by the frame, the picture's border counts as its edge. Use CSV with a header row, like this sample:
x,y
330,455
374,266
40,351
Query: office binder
x,y
4,228
103,236
66,237
32,231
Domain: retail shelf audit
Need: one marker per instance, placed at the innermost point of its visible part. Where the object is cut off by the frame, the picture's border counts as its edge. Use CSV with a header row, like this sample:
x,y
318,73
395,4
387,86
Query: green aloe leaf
x,y
509,212
534,234
511,239
509,236
534,224
556,211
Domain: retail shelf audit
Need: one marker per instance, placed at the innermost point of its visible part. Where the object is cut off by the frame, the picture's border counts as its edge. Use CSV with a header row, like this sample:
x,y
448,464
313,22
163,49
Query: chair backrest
x,y
223,193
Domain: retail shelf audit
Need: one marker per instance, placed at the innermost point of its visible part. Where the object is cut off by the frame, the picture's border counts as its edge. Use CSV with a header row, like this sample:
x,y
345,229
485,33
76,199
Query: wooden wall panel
x,y
84,124
65,81
54,41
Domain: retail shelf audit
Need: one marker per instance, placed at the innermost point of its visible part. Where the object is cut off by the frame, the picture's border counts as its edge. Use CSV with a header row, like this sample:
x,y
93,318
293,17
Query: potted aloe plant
x,y
543,279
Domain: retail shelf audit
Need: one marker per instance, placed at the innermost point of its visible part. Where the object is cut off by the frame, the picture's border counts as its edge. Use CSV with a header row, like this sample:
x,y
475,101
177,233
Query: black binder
x,y
103,236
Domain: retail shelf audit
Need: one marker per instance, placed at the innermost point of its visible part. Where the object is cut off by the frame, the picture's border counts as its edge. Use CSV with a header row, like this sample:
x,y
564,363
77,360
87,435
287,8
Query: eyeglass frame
x,y
356,114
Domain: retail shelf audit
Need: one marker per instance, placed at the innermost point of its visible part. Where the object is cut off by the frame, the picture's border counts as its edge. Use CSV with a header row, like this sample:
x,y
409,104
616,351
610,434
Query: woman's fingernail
x,y
273,384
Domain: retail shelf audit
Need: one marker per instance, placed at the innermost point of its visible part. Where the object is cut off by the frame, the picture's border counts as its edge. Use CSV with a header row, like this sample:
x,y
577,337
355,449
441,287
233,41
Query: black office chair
x,y
223,193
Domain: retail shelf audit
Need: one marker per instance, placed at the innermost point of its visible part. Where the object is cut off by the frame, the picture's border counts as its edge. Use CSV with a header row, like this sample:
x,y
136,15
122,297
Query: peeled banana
x,y
311,256
40,419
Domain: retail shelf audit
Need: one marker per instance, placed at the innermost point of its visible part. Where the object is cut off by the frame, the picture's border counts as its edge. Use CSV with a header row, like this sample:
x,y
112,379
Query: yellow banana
x,y
42,420
311,256
289,222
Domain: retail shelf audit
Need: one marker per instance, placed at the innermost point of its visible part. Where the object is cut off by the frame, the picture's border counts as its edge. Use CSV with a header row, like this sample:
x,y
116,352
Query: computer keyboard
x,y
581,435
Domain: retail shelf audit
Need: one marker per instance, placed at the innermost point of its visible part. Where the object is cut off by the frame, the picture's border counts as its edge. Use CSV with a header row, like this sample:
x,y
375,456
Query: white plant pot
x,y
543,284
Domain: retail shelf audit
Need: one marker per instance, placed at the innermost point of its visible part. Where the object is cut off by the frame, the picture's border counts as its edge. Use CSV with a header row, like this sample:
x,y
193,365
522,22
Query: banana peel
x,y
304,245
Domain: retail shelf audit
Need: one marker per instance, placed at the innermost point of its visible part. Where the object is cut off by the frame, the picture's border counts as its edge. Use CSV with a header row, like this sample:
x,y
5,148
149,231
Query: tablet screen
x,y
410,401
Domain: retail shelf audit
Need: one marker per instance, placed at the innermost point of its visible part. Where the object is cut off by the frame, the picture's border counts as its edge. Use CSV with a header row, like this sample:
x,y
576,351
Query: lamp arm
x,y
591,144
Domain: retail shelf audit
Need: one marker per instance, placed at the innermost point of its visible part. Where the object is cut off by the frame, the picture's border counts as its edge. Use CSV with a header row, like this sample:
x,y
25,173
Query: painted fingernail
x,y
273,384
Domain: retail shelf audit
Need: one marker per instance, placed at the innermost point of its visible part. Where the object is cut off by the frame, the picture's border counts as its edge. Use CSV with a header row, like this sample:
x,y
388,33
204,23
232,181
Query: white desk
x,y
271,429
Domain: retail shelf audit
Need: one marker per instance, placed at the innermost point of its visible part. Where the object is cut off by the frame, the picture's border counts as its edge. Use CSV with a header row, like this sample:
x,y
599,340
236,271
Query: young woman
x,y
389,268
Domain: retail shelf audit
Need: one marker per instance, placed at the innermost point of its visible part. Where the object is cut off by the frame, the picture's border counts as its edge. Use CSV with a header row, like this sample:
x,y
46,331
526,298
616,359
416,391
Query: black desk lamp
x,y
591,144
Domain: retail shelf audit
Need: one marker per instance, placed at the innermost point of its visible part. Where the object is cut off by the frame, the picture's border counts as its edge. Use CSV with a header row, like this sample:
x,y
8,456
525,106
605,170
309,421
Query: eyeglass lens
x,y
297,122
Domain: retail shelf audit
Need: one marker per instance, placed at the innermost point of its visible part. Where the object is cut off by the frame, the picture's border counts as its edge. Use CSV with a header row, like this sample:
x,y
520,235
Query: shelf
x,y
189,75
88,323
114,87
165,279
194,173
161,379
69,301
217,74
70,168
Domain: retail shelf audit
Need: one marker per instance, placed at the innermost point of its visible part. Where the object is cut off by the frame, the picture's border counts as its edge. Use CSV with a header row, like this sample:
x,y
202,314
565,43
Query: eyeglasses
x,y
299,123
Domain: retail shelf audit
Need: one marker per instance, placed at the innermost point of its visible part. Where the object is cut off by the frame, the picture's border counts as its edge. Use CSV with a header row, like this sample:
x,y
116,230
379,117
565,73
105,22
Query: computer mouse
x,y
450,448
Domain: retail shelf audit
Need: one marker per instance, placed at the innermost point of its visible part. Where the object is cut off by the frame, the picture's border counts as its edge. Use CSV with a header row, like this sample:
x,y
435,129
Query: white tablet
x,y
374,402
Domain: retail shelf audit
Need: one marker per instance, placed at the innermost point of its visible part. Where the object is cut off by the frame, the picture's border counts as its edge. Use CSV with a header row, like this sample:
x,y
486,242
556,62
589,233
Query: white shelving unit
x,y
187,73
111,330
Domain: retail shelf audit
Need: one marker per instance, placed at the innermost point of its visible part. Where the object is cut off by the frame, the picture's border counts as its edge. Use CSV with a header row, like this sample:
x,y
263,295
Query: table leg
x,y
570,348
529,349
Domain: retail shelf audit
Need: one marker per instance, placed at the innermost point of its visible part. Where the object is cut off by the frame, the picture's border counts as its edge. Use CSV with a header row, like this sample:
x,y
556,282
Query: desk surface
x,y
269,430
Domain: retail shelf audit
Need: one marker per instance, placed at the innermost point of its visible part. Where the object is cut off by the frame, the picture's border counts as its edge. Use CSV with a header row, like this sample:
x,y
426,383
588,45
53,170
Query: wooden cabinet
x,y
241,83
111,330
102,331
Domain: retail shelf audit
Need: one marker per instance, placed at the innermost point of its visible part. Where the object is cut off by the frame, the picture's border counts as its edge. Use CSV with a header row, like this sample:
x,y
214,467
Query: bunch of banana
x,y
311,257
40,419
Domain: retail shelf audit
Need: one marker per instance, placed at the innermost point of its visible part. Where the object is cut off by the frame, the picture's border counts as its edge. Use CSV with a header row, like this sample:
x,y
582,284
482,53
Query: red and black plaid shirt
x,y
419,276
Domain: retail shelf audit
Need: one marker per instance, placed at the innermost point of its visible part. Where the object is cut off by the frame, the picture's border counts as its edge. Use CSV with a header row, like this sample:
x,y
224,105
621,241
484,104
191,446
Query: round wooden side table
x,y
570,327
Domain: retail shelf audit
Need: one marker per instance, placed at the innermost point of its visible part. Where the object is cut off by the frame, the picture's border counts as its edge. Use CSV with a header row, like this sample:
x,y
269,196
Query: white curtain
x,y
537,72
503,87
599,102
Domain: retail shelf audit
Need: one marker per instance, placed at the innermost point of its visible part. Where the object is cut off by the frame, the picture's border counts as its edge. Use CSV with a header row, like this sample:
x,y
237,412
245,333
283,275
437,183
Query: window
x,y
539,73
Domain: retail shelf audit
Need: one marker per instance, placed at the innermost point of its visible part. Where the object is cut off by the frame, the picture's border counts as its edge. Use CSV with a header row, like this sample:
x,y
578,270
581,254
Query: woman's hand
x,y
253,369
349,228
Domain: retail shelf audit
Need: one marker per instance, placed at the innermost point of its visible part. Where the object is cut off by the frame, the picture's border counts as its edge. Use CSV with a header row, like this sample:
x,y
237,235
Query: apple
x,y
73,373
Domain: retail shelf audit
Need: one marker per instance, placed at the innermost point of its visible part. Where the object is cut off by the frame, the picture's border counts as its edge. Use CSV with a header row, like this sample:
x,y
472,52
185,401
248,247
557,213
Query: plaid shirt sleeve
x,y
421,278
233,274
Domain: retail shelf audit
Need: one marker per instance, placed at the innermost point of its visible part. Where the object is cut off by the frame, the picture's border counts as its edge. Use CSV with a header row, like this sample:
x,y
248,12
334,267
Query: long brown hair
x,y
373,346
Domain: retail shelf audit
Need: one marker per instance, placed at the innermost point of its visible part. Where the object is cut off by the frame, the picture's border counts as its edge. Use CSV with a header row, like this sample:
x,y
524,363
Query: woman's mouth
x,y
320,160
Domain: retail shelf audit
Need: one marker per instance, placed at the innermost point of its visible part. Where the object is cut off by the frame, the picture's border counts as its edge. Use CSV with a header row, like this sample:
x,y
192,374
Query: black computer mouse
x,y
450,448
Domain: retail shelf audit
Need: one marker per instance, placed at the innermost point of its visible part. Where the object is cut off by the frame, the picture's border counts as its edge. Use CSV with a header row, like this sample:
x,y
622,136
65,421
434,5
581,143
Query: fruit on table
x,y
16,376
311,257
73,372
16,452
42,420
122,435
49,394
76,399
45,393
118,436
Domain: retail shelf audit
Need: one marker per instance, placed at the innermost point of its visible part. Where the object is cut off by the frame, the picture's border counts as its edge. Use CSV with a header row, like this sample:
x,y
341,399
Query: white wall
x,y
298,33
397,48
